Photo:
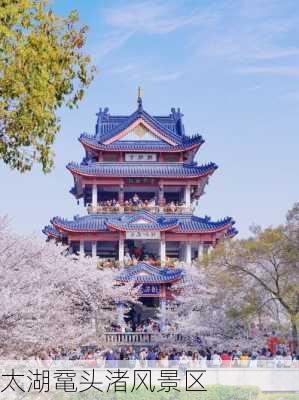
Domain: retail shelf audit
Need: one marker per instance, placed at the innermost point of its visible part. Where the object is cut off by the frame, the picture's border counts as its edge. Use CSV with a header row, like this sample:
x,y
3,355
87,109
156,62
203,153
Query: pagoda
x,y
140,185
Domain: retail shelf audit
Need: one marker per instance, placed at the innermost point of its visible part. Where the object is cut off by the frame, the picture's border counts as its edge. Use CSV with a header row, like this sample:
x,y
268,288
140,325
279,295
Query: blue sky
x,y
233,68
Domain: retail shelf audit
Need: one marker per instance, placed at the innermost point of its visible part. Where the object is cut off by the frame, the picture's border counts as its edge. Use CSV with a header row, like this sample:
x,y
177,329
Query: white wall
x,y
272,380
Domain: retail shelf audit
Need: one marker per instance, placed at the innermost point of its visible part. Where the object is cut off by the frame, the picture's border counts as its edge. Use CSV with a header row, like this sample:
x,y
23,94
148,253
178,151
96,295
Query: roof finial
x,y
139,99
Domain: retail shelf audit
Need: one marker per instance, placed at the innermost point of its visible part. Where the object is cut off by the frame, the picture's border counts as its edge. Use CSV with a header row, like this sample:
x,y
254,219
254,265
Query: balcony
x,y
141,338
152,338
132,208
171,208
104,209
111,262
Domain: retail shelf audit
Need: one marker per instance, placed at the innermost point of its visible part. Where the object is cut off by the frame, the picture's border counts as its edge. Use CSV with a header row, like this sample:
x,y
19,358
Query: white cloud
x,y
254,88
292,95
275,54
148,17
151,17
108,43
253,31
121,69
239,32
271,70
167,77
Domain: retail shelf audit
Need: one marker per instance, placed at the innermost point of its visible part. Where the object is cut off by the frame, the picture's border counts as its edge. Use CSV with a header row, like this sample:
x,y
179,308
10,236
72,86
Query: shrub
x,y
278,396
214,392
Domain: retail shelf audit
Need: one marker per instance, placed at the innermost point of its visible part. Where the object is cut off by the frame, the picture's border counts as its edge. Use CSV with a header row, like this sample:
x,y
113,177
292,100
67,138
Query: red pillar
x,y
121,195
161,195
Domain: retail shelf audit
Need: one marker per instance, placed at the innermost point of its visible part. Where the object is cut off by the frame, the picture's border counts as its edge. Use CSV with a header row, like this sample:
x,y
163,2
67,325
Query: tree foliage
x,y
50,298
205,308
266,269
42,67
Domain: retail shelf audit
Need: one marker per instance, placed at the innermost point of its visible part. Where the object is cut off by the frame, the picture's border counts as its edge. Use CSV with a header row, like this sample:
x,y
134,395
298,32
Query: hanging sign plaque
x,y
141,157
143,235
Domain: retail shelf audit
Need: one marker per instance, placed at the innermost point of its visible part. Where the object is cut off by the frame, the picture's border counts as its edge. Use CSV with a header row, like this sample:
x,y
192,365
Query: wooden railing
x,y
130,209
104,209
168,209
141,338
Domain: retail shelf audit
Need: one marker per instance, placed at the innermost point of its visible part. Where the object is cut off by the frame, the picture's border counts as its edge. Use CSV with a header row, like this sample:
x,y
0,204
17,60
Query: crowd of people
x,y
134,204
147,326
208,357
138,254
175,207
131,258
104,206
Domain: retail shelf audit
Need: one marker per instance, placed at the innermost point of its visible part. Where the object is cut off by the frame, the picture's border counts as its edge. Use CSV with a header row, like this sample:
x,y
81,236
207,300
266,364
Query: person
x,y
142,357
132,357
244,358
128,328
173,357
278,360
262,359
203,360
110,359
135,199
128,258
273,343
172,206
107,263
99,357
216,360
253,360
184,362
140,328
287,359
226,359
134,260
151,358
163,360
90,359
295,357
151,259
195,357
152,203
209,354
138,252
146,326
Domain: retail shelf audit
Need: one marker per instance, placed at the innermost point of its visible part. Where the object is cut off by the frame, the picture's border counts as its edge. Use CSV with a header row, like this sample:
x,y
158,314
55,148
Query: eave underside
x,y
102,227
90,143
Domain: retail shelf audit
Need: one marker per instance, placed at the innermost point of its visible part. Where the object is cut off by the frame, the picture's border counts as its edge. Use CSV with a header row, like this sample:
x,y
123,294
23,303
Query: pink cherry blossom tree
x,y
52,298
201,311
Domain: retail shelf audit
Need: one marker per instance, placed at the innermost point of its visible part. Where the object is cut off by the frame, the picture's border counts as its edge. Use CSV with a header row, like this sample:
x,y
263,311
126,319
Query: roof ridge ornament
x,y
139,99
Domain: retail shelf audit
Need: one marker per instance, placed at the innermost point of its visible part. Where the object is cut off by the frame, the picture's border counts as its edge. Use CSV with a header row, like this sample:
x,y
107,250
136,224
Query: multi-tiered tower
x,y
140,184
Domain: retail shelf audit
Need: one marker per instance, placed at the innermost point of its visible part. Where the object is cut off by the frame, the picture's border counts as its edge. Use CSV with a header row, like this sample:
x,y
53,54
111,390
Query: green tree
x,y
265,265
42,68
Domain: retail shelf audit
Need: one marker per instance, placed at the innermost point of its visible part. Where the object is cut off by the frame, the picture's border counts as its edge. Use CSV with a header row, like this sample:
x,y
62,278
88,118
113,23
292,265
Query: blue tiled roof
x,y
195,224
180,223
50,230
146,273
110,125
150,169
142,145
152,222
231,232
86,223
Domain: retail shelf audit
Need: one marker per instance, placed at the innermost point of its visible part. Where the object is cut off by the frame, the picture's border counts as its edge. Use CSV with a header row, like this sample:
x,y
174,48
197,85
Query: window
x,y
110,157
171,157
